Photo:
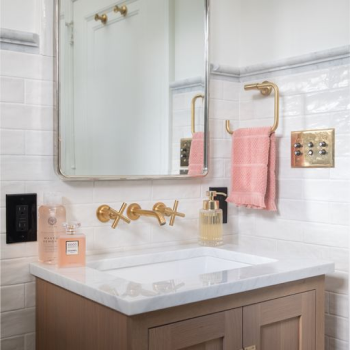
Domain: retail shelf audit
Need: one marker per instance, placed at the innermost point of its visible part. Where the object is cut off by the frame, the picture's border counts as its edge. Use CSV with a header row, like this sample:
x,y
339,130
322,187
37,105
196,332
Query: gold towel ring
x,y
265,89
193,112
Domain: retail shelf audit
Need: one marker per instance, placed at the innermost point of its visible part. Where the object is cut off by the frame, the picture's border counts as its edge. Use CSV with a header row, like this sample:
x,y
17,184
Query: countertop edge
x,y
137,307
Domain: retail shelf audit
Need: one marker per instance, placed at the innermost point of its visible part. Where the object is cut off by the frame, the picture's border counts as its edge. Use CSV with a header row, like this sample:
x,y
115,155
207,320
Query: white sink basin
x,y
178,265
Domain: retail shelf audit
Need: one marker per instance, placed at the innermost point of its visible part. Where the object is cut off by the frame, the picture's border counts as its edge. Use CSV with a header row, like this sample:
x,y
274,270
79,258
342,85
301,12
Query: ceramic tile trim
x,y
19,41
185,85
298,64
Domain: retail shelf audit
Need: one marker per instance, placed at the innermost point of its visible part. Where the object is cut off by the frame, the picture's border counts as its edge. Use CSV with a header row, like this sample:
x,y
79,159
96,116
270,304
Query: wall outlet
x,y
21,218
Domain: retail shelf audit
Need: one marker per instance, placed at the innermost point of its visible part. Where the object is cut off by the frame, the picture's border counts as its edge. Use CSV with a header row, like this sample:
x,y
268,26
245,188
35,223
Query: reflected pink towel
x,y
196,159
253,177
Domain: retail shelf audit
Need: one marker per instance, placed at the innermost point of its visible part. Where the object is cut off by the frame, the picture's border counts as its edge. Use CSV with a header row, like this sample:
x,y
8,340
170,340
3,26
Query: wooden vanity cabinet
x,y
222,330
287,323
289,316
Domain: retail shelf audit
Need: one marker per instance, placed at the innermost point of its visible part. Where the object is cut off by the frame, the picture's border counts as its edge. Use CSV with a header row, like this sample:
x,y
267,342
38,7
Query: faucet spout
x,y
134,212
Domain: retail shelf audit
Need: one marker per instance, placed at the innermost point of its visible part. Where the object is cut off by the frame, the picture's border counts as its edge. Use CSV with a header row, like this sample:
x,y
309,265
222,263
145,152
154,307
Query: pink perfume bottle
x,y
71,247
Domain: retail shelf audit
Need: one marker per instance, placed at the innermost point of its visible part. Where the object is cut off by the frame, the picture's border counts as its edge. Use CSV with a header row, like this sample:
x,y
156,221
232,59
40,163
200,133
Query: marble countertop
x,y
114,280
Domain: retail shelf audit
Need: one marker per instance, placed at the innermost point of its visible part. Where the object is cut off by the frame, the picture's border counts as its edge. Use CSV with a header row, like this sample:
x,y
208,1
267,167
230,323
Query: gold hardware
x,y
265,89
312,148
105,213
123,10
163,209
185,147
103,18
193,112
212,203
134,212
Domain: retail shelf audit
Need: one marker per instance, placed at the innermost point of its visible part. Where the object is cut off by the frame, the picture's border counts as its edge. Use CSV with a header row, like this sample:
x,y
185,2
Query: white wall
x,y
189,38
277,29
225,31
250,32
21,15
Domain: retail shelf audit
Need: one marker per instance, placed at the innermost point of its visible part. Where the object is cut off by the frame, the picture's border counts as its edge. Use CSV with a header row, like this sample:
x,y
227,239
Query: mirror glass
x,y
132,75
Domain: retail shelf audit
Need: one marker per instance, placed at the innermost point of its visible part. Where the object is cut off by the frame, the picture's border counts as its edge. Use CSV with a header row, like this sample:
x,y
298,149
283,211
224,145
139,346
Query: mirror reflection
x,y
132,88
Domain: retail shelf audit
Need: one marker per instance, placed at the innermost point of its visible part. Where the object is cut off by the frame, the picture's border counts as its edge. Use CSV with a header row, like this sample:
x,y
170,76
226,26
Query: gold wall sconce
x,y
173,213
265,89
105,213
103,18
122,9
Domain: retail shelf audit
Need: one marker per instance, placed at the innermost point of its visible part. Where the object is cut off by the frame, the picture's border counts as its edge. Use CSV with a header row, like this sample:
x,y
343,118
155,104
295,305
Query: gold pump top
x,y
212,204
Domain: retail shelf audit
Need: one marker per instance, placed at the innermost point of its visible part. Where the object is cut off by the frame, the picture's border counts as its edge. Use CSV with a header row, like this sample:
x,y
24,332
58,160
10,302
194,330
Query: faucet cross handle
x,y
105,213
173,213
117,215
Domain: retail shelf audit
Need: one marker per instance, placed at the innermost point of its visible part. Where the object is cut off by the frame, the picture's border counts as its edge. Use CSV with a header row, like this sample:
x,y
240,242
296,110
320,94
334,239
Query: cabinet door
x,y
220,331
287,323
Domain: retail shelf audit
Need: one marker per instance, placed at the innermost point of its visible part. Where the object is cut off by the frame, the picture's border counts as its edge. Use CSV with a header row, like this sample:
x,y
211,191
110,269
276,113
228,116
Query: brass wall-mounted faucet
x,y
134,212
105,213
173,213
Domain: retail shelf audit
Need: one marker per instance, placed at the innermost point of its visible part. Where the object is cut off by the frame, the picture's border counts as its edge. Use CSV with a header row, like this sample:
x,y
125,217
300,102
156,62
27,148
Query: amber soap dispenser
x,y
71,247
210,221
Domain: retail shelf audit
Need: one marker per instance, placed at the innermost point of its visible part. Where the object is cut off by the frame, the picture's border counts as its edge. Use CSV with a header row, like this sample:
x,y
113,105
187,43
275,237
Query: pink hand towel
x,y
196,159
253,177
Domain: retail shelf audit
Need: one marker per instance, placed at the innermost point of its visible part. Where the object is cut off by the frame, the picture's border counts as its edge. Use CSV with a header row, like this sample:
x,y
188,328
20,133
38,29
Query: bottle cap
x,y
71,227
52,198
212,204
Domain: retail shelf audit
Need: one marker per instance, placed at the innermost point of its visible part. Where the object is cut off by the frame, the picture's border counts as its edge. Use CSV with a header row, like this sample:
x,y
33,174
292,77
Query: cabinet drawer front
x,y
220,331
282,324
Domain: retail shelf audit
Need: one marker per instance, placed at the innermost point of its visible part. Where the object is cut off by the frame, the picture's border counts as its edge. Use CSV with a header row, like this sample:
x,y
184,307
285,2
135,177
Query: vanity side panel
x,y
68,321
320,312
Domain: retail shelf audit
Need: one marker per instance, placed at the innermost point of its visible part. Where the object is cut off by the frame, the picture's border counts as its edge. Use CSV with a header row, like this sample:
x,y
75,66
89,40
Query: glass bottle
x,y
71,247
52,215
210,221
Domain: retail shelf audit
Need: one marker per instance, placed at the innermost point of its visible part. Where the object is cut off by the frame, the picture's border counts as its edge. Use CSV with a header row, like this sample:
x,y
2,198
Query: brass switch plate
x,y
307,150
185,147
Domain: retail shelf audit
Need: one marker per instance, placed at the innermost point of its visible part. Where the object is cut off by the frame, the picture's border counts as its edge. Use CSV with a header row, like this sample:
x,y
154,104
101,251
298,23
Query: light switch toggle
x,y
323,144
297,145
322,152
297,153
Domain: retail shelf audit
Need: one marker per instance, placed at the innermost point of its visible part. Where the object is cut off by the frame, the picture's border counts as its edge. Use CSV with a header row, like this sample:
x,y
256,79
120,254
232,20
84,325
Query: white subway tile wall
x,y
313,204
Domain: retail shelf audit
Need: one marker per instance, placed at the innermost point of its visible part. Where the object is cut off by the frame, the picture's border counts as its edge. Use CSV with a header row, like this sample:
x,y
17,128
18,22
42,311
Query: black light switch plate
x,y
21,218
222,201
